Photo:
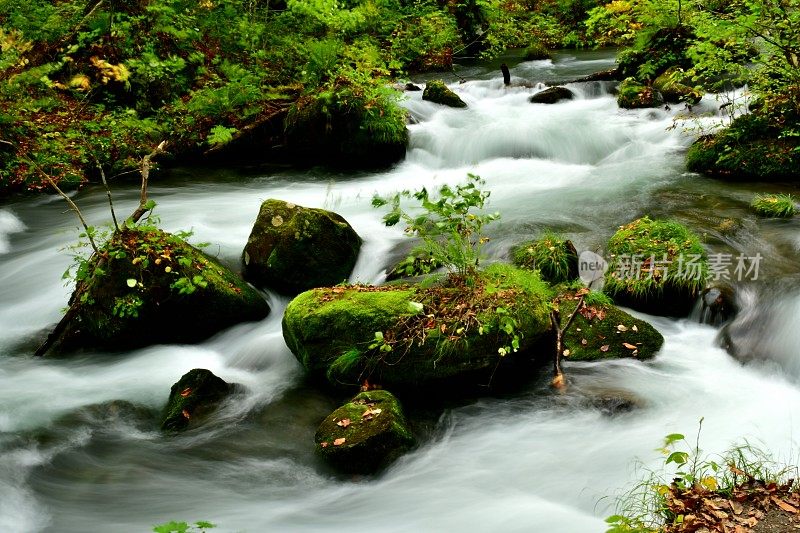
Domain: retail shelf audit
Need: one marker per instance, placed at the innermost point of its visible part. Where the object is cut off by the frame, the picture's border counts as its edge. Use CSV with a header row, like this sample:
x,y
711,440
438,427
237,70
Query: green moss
x,y
774,205
365,434
194,396
155,288
293,248
749,149
325,328
634,95
601,331
437,92
554,257
673,87
657,266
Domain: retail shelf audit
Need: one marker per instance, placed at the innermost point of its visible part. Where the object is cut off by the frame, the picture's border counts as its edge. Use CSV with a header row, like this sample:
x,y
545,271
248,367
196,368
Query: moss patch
x,y
749,149
674,88
365,434
774,205
635,95
437,92
152,287
293,248
554,257
195,395
602,331
433,334
656,266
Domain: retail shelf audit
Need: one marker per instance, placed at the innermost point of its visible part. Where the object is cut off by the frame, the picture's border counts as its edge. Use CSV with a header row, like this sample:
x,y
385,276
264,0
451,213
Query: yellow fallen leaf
x,y
339,442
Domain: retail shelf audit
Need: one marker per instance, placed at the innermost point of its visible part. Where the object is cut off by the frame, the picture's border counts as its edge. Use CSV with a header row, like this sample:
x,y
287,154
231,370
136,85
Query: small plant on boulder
x,y
774,205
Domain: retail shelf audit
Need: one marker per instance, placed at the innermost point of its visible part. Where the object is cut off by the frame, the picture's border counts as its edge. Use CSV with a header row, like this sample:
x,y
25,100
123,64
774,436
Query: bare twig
x,y
555,318
72,206
147,162
110,199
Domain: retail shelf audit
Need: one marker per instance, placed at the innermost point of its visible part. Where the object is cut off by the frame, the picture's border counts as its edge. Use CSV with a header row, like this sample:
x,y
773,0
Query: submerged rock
x,y
365,434
292,248
555,258
601,330
437,92
152,287
718,305
552,95
634,95
657,266
409,336
197,394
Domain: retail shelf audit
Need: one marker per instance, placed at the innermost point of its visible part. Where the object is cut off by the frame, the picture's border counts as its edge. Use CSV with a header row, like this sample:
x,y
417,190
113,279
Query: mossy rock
x,y
537,52
673,88
437,334
152,287
750,149
635,95
552,95
346,130
657,266
196,395
601,330
437,92
555,258
364,435
292,248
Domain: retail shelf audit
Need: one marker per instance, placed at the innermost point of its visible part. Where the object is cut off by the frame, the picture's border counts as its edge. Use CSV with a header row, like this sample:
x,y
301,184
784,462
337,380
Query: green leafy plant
x,y
450,225
183,527
774,205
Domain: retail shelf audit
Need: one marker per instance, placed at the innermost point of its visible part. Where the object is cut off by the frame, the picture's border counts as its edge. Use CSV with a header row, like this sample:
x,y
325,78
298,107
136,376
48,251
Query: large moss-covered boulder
x,y
536,51
555,258
292,248
750,149
197,394
600,330
152,287
552,95
437,92
349,127
657,266
635,95
674,88
365,434
412,335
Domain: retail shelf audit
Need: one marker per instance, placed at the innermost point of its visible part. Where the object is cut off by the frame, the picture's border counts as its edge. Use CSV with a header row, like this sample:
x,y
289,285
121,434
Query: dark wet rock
x,y
412,87
197,394
718,305
552,95
292,248
364,435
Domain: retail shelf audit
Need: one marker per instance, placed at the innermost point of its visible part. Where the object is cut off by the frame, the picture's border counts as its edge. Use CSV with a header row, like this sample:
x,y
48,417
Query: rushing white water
x,y
533,461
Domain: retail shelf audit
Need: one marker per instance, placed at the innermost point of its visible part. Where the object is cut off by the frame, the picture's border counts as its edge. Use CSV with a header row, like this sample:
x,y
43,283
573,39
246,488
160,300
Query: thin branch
x,y
108,193
555,318
146,165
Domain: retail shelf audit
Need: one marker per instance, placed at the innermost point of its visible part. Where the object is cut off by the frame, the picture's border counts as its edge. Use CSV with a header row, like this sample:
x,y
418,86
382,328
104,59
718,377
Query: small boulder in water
x,y
365,434
292,248
555,258
718,305
537,52
412,87
437,92
552,95
198,393
657,266
673,89
634,95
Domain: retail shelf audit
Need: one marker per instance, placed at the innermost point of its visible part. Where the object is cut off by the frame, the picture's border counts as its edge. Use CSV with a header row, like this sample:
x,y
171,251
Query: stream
x,y
79,445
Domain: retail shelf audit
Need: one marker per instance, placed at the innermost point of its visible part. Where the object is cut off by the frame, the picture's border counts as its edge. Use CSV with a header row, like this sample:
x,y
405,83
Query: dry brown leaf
x,y
343,423
629,346
339,442
186,414
605,347
186,392
784,505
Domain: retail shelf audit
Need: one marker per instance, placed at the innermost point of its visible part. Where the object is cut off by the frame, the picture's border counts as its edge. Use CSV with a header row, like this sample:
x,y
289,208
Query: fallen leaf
x,y
783,505
621,328
605,347
186,414
584,342
566,353
634,328
629,346
339,442
343,422
186,392
323,444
